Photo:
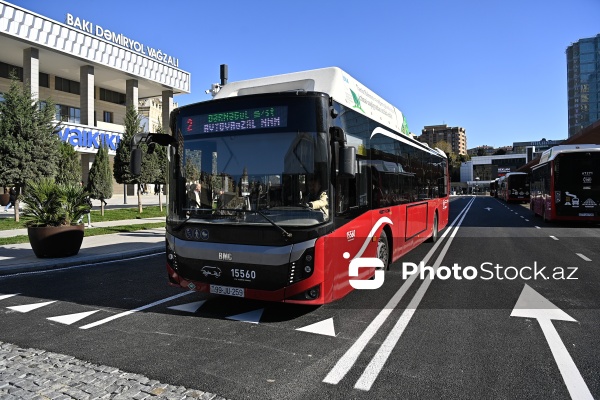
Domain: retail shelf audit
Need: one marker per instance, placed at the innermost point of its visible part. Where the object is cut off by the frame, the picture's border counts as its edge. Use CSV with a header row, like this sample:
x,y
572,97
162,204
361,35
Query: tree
x,y
29,146
121,172
100,180
69,166
160,176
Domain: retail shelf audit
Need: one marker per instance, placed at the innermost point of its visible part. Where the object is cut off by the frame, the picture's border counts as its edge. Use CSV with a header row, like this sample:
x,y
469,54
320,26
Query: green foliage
x,y
69,165
160,175
49,203
121,172
29,146
100,180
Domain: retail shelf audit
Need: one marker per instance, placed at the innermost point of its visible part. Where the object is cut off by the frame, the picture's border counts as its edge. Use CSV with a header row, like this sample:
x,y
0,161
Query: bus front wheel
x,y
434,232
383,250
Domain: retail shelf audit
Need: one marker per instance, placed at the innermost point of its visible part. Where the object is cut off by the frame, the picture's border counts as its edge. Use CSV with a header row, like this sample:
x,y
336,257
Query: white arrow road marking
x,y
252,317
533,305
321,328
189,307
6,296
71,318
30,307
488,208
345,363
123,314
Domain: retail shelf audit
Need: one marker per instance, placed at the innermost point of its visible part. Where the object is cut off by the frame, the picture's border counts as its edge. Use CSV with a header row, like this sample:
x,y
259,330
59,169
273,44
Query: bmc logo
x,y
225,256
366,262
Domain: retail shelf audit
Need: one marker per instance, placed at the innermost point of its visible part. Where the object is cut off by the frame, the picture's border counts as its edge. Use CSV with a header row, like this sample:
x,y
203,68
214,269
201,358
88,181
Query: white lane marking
x,y
49,271
521,216
252,317
531,304
321,328
370,373
30,307
583,257
527,220
537,227
347,361
554,237
72,318
6,296
189,307
123,314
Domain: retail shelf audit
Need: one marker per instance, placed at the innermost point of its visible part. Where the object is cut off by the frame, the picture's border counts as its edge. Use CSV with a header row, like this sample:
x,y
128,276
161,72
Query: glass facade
x,y
583,83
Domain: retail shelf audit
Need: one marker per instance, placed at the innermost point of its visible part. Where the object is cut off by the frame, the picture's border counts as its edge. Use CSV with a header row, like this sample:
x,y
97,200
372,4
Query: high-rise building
x,y
454,136
583,83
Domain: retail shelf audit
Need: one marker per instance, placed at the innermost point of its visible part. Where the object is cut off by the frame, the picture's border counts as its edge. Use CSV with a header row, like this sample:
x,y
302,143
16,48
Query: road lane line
x,y
370,373
124,314
582,256
347,361
554,237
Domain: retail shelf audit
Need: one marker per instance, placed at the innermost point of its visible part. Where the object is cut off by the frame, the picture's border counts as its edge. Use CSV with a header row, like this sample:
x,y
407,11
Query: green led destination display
x,y
238,120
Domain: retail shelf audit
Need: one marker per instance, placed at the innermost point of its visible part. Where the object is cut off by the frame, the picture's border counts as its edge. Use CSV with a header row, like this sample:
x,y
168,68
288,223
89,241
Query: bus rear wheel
x,y
383,250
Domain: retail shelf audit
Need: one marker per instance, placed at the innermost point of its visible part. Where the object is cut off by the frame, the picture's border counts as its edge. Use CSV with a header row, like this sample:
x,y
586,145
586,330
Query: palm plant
x,y
52,204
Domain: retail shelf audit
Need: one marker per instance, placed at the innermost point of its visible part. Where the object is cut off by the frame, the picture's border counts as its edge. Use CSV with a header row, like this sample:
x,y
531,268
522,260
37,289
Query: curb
x,y
57,264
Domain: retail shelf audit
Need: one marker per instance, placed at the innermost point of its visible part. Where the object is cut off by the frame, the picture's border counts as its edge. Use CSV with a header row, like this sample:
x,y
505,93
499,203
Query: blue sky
x,y
495,67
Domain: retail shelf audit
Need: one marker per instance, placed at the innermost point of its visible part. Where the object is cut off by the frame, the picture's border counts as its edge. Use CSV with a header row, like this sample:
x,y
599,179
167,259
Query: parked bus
x,y
565,185
514,187
261,148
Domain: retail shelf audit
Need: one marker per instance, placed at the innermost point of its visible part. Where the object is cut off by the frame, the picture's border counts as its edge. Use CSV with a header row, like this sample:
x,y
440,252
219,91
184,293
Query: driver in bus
x,y
317,197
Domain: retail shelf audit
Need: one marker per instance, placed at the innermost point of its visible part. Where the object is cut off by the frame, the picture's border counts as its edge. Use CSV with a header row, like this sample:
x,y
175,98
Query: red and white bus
x,y
514,187
565,185
255,148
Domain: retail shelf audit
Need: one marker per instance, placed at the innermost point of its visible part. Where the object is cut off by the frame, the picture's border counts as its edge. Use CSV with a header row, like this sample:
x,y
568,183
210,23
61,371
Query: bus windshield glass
x,y
250,165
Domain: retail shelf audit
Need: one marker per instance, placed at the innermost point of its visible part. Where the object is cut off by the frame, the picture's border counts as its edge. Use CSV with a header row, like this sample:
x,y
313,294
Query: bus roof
x,y
333,81
553,152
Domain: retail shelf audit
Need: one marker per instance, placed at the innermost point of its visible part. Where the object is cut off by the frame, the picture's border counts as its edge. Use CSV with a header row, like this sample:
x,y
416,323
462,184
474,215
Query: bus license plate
x,y
227,290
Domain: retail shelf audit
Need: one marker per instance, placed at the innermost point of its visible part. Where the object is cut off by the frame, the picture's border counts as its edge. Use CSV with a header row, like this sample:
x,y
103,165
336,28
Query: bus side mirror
x,y
135,164
347,167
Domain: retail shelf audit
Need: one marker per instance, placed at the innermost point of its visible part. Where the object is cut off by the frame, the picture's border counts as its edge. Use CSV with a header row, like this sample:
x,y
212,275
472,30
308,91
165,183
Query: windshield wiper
x,y
285,233
182,223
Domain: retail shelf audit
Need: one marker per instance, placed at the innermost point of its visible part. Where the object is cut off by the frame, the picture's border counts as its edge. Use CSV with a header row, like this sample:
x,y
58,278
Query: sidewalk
x,y
18,258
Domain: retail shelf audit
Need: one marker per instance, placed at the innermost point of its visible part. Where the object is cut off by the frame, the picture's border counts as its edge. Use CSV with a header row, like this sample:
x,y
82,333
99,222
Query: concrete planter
x,y
4,199
56,241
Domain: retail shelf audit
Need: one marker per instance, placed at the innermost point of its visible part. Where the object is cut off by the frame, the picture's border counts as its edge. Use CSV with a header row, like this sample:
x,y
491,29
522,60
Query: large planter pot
x,y
4,199
56,241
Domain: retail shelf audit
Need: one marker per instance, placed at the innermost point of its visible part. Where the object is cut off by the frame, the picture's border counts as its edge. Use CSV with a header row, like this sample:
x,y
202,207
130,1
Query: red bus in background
x,y
565,185
257,147
514,187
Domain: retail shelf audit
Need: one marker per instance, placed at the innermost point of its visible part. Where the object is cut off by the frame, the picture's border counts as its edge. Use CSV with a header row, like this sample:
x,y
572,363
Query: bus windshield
x,y
250,165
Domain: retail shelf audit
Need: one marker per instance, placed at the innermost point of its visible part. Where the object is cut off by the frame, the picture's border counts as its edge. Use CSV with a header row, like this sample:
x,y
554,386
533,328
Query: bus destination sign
x,y
238,120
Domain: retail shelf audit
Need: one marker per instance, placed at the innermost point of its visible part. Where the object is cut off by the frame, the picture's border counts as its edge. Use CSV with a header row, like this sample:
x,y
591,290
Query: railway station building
x,y
91,73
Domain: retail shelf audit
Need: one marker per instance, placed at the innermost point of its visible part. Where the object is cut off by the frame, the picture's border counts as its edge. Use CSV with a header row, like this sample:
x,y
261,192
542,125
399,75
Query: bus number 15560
x,y
243,273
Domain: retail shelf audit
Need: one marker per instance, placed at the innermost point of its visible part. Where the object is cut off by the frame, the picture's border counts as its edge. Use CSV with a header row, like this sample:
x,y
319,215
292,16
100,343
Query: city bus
x,y
514,187
256,148
565,185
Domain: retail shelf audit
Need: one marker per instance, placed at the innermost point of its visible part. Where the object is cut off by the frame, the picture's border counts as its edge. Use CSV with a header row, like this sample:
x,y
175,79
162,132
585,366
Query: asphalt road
x,y
439,338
